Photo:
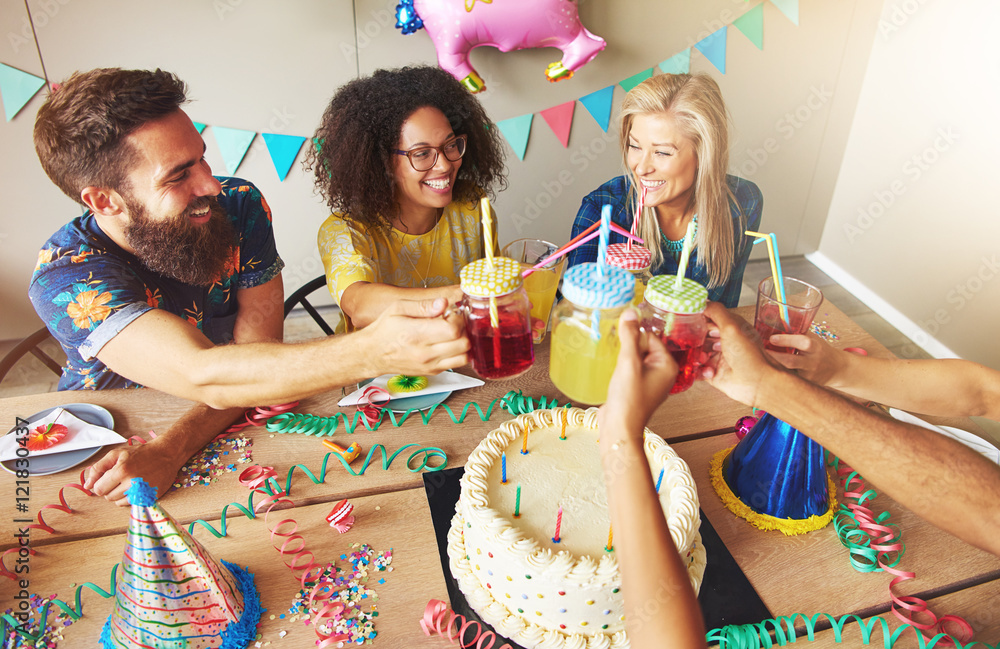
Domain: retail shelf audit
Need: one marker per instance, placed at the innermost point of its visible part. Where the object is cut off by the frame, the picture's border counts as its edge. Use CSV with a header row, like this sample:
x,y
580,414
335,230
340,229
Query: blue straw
x,y
602,245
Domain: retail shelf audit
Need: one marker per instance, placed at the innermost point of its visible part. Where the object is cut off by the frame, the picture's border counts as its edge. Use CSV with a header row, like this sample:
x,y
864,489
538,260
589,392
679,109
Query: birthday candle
x,y
555,539
611,537
524,443
562,425
517,501
503,468
658,481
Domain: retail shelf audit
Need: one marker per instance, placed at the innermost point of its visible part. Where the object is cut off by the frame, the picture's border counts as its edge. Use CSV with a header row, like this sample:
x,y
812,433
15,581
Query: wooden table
x,y
805,574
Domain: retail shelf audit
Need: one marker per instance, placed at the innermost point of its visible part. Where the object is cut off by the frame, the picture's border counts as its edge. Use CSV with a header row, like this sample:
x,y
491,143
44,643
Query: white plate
x,y
56,462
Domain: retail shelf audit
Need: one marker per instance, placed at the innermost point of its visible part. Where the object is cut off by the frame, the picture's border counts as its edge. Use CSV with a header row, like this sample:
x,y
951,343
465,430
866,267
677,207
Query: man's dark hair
x,y
82,128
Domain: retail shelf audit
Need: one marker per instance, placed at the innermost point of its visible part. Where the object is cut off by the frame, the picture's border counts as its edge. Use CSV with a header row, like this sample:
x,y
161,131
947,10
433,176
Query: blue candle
x,y
503,467
658,481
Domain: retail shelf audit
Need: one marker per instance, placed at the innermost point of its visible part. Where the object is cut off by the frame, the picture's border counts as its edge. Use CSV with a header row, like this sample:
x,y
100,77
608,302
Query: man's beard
x,y
192,254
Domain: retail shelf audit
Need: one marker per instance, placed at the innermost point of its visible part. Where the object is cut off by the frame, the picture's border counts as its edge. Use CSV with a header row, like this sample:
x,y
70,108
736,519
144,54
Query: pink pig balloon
x,y
457,26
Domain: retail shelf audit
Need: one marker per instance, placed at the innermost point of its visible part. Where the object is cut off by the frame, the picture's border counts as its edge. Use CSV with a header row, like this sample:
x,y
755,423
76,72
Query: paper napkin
x,y
81,435
443,382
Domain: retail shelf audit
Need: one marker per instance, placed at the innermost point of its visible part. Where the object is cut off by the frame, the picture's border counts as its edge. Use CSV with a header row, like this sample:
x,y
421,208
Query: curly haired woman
x,y
403,158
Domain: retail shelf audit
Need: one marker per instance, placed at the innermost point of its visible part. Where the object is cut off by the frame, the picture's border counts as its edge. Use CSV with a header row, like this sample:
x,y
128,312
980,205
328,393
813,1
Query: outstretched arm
x,y
948,388
650,566
937,478
364,302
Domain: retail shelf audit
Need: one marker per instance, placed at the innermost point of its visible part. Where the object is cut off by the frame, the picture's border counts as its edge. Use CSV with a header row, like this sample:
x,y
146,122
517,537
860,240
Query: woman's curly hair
x,y
353,160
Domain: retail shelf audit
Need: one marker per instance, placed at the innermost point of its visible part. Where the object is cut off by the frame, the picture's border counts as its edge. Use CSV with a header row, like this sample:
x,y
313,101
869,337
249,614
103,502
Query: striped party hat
x,y
172,593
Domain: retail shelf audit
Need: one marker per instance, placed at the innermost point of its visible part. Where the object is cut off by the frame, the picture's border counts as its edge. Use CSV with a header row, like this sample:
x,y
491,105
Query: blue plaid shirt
x,y
746,212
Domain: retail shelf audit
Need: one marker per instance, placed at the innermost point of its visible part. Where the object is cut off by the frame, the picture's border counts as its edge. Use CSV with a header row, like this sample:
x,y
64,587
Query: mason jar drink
x,y
676,316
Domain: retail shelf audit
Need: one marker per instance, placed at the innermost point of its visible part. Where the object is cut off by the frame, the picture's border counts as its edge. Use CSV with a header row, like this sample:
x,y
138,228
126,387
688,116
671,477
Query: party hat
x,y
776,479
172,593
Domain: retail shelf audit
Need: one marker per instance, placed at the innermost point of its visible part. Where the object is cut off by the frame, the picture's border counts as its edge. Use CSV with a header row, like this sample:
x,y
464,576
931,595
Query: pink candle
x,y
556,539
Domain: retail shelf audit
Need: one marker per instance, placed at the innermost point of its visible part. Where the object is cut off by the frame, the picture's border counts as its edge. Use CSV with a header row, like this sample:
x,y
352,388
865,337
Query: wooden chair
x,y
30,345
301,297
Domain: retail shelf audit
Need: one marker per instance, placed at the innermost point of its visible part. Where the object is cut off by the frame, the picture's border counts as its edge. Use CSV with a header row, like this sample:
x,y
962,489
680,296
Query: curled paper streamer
x,y
258,417
369,408
513,402
440,620
340,517
755,636
883,540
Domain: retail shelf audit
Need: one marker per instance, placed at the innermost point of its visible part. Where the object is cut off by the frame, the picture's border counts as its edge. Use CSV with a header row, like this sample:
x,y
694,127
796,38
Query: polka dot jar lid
x,y
478,281
690,298
585,286
638,258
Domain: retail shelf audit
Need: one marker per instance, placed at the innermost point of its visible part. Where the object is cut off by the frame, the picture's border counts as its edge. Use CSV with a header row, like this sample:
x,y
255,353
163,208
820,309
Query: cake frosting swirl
x,y
537,590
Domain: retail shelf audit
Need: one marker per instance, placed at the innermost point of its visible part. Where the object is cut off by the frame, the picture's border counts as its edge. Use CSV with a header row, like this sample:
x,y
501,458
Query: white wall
x,y
270,66
912,219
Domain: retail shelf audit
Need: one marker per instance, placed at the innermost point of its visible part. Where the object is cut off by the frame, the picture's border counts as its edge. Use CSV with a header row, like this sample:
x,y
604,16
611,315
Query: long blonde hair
x,y
695,103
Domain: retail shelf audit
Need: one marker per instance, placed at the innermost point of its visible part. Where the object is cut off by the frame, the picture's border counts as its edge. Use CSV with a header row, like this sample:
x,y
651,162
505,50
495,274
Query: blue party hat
x,y
776,478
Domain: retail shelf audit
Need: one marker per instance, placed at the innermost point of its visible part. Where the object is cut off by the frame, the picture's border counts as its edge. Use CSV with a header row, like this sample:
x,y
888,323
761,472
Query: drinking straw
x,y
779,283
638,217
487,231
685,255
602,245
488,240
576,242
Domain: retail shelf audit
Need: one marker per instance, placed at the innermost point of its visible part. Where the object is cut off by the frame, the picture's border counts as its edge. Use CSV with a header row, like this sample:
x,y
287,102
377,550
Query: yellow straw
x,y
779,284
685,255
487,231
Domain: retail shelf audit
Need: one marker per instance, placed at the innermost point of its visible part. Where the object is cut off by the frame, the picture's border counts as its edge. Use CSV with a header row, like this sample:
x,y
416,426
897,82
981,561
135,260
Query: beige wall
x,y
270,66
910,224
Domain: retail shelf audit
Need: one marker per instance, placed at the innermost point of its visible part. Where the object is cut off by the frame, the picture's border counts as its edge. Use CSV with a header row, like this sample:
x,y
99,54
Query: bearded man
x,y
169,263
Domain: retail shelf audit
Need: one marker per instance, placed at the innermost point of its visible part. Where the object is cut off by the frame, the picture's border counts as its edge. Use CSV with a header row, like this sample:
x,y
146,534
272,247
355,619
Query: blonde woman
x,y
675,148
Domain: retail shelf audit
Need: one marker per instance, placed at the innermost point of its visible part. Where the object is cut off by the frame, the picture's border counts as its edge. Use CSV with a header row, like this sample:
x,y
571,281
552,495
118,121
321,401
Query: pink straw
x,y
563,251
638,216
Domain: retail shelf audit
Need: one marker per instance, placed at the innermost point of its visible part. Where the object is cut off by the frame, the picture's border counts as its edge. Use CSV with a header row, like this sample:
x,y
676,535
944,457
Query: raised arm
x,y
650,566
948,387
937,478
162,351
364,302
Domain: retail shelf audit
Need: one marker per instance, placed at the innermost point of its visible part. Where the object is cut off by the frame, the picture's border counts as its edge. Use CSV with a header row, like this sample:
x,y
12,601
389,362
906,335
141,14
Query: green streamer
x,y
513,402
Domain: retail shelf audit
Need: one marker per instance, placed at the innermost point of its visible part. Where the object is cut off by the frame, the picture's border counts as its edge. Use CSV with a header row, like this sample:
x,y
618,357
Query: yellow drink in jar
x,y
541,289
580,366
640,293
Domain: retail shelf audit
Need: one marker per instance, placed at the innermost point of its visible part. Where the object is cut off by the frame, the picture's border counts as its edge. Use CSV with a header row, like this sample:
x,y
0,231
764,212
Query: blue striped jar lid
x,y
585,286
690,298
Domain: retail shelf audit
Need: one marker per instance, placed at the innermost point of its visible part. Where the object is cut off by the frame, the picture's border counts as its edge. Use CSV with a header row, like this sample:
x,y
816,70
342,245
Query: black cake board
x,y
726,596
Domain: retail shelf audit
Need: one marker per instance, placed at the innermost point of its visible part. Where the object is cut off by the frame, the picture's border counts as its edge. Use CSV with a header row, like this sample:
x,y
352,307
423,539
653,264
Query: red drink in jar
x,y
675,316
503,352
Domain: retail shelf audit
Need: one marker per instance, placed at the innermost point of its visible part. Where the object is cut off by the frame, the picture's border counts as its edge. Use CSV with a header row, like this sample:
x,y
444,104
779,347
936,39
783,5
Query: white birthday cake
x,y
531,589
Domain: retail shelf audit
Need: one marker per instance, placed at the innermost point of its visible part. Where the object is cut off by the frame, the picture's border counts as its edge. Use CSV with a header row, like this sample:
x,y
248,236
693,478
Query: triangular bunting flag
x,y
790,8
200,127
635,79
679,63
714,49
17,88
598,104
233,143
752,25
517,130
560,120
283,149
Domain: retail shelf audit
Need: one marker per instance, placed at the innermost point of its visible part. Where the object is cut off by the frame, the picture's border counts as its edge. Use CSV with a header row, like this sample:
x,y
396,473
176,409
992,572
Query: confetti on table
x,y
348,587
53,632
215,460
823,331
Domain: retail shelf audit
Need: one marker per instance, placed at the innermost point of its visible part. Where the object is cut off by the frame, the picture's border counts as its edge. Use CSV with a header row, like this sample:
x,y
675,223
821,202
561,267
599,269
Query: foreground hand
x,y
642,378
112,474
739,367
816,361
412,339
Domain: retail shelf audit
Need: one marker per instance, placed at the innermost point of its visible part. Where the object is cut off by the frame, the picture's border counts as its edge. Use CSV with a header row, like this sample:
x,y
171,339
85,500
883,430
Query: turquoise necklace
x,y
675,247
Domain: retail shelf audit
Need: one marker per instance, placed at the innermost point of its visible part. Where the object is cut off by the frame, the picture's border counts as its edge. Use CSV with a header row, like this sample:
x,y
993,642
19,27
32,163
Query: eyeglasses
x,y
425,157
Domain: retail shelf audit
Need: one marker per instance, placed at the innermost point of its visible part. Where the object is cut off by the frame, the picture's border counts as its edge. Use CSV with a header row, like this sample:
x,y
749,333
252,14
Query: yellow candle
x,y
562,424
524,443
609,547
